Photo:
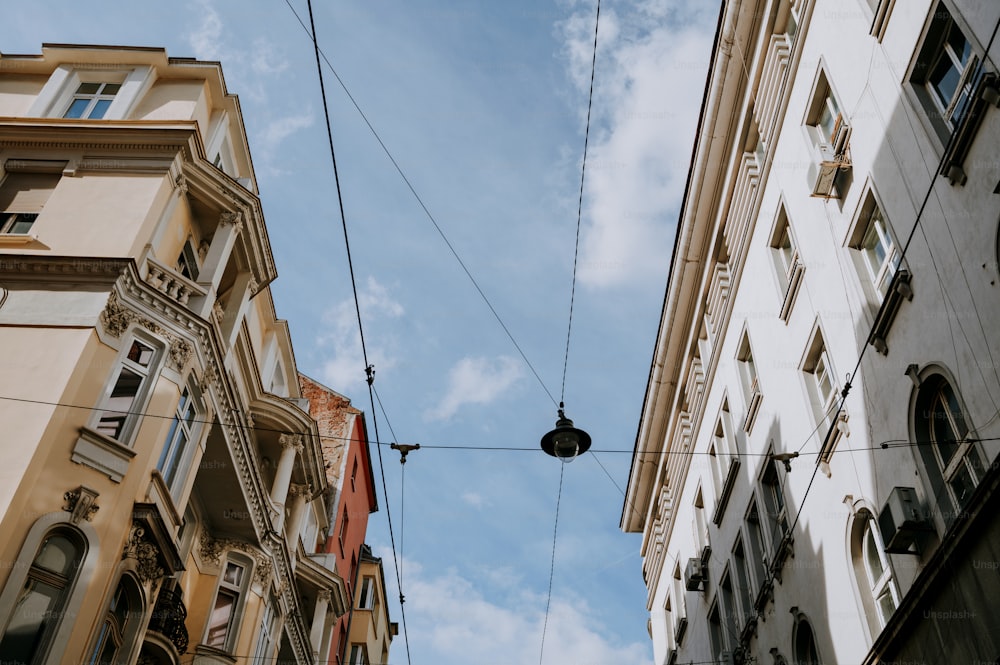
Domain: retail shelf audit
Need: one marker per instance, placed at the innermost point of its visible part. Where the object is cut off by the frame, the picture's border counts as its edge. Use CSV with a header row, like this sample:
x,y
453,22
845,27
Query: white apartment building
x,y
814,475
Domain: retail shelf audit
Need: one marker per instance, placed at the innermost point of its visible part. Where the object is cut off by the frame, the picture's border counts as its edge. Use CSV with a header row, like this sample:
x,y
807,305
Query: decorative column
x,y
236,307
291,445
319,621
219,251
297,512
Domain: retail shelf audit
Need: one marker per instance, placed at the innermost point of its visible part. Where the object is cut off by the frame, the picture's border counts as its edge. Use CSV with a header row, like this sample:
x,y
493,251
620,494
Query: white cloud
x,y
451,621
474,499
476,381
206,39
345,364
641,132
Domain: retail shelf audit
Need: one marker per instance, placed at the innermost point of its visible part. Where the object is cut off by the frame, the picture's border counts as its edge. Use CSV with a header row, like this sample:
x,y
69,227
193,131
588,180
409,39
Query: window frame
x,y
865,536
123,631
875,281
10,215
268,630
240,591
149,375
192,430
943,116
939,477
55,97
92,100
56,632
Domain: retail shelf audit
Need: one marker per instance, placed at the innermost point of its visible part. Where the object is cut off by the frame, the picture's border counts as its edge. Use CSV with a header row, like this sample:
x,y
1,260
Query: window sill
x,y
899,288
102,453
985,92
753,408
794,281
781,553
13,239
205,654
838,429
727,490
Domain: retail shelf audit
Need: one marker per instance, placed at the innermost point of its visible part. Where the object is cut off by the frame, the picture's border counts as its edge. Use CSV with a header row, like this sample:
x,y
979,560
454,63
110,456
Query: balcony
x,y
171,283
168,618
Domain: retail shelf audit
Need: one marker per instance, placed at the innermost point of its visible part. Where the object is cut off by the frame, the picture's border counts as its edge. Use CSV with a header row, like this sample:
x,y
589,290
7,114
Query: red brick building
x,y
344,439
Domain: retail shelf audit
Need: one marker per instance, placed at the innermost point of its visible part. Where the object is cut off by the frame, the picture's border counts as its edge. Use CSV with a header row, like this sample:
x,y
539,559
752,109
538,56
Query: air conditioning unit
x,y
902,520
823,171
829,159
695,574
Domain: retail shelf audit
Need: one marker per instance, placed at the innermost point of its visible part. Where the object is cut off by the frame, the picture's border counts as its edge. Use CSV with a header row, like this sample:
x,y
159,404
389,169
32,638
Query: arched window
x,y
804,644
41,603
114,640
873,571
951,458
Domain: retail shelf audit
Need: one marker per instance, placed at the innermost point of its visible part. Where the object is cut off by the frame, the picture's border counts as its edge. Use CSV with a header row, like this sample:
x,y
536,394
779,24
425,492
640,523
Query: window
x,y
113,643
741,567
366,599
787,263
873,571
822,391
91,100
222,629
678,604
22,197
749,381
944,67
342,536
757,548
716,635
879,256
187,262
700,525
183,430
729,609
774,505
359,655
804,644
951,457
41,604
724,456
824,119
268,635
120,408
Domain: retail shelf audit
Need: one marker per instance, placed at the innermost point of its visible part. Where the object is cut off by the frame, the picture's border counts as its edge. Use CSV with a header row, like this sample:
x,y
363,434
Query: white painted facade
x,y
775,293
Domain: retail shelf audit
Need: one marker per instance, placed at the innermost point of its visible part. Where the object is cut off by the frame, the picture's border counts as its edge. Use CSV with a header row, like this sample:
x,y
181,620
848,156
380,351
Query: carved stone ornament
x,y
81,504
291,441
117,317
212,550
145,554
181,183
229,217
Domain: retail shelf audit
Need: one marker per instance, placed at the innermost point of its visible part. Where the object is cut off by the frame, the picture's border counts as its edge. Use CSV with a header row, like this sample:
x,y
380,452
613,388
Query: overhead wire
x,y
579,205
427,213
357,306
552,563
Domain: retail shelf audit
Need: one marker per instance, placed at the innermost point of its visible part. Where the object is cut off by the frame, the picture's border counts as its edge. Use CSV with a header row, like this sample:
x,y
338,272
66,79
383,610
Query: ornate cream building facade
x,y
163,496
815,467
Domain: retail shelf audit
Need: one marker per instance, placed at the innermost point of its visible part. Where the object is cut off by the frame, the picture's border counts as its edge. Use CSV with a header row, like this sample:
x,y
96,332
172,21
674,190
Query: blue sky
x,y
483,105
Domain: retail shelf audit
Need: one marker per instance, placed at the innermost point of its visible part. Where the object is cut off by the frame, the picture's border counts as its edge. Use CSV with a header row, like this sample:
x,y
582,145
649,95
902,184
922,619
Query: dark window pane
x,y
58,555
88,88
39,603
110,88
140,353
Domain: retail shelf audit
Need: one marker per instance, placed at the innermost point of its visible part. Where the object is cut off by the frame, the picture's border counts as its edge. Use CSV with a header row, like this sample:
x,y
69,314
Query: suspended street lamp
x,y
565,442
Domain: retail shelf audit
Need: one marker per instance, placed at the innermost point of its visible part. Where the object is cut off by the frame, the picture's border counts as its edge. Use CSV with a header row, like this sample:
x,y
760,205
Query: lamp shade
x,y
565,442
